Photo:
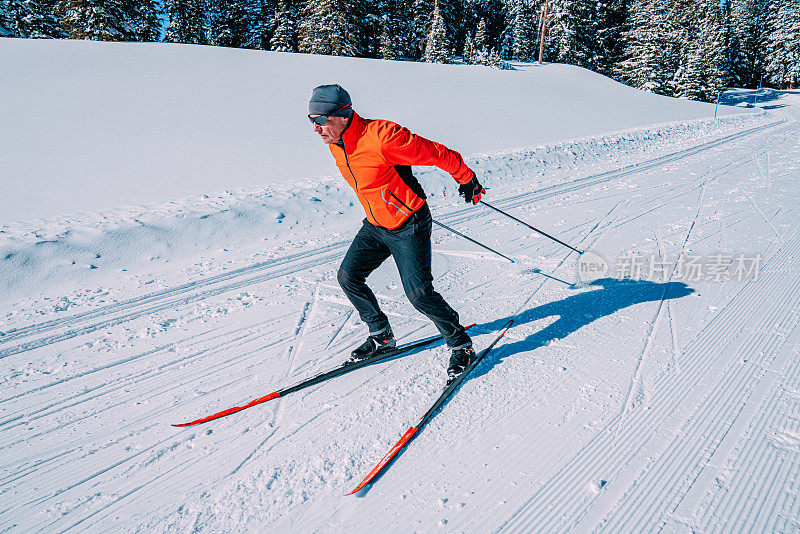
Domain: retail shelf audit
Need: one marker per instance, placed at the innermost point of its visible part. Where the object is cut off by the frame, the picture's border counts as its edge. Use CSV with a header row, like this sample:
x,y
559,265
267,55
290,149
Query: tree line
x,y
683,48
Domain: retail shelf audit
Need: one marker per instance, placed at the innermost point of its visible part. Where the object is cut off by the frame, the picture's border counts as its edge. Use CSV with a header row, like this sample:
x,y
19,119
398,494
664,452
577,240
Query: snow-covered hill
x,y
666,401
216,144
91,126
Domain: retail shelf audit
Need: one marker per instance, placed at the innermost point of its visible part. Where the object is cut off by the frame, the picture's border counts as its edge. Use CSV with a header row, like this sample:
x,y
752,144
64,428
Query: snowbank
x,y
285,217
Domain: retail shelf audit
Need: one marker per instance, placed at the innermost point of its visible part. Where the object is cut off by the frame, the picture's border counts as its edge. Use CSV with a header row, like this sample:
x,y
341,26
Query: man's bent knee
x,y
420,295
344,278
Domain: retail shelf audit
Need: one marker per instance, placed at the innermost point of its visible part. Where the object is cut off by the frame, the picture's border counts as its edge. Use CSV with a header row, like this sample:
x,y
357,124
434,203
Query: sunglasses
x,y
321,119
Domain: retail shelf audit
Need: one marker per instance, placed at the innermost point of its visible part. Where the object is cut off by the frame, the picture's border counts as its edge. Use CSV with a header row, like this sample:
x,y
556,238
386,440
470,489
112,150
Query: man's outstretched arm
x,y
401,147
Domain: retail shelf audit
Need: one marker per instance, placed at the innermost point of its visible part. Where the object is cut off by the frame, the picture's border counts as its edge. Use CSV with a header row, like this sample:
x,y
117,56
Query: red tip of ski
x,y
265,398
386,459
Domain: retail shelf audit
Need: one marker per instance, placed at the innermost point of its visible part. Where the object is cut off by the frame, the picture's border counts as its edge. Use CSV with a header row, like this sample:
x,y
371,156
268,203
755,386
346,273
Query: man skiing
x,y
375,158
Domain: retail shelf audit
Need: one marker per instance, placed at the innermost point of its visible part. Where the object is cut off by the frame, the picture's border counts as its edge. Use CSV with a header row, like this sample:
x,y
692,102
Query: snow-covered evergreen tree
x,y
480,55
262,24
572,33
389,48
228,23
392,22
29,18
783,44
284,39
144,19
6,20
481,39
187,21
414,26
437,45
494,59
97,20
701,76
611,17
329,27
523,30
469,51
676,48
370,27
495,15
415,21
748,43
652,46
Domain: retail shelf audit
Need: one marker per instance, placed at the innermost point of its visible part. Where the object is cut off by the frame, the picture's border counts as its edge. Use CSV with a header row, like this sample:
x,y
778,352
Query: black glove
x,y
471,191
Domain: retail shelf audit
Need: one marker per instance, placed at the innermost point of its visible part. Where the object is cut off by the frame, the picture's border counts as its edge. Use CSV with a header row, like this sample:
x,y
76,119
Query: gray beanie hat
x,y
330,100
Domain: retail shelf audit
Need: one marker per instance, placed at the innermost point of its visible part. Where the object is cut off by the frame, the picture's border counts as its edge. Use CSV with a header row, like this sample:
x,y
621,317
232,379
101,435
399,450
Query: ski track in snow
x,y
644,497
677,409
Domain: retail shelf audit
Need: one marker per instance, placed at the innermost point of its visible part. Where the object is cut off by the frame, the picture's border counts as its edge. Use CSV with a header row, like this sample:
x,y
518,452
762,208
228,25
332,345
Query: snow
x,y
617,404
136,123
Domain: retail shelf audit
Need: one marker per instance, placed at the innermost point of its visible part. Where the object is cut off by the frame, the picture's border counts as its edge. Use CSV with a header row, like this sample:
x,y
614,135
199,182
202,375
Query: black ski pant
x,y
410,245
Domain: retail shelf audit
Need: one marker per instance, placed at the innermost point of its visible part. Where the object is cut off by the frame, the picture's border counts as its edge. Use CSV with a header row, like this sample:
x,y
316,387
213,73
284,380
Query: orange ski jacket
x,y
375,157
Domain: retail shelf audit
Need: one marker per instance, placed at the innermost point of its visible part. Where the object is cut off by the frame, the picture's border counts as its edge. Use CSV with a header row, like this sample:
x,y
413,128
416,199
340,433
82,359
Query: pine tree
x,y
416,21
388,44
783,44
480,35
611,16
97,20
392,27
701,76
494,59
481,51
728,44
523,31
572,34
469,51
285,38
329,27
496,17
651,46
228,23
30,19
437,44
144,19
369,27
6,20
261,15
419,27
748,44
187,21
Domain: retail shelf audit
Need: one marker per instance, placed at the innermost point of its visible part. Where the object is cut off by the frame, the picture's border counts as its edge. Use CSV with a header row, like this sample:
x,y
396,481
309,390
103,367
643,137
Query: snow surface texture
x,y
624,405
83,146
90,126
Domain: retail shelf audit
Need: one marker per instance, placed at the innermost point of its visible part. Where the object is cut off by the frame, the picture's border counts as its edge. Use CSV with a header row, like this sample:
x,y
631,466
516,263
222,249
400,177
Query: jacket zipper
x,y
355,180
395,205
400,201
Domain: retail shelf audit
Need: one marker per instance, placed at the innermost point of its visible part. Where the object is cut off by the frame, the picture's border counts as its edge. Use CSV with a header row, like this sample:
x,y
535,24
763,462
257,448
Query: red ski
x,y
406,438
338,371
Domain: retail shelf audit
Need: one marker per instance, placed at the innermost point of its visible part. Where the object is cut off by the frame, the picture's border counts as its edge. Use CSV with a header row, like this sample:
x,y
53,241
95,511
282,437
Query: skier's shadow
x,y
577,311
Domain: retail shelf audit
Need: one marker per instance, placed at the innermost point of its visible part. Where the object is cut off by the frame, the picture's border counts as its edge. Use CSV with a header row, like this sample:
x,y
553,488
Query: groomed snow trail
x,y
625,405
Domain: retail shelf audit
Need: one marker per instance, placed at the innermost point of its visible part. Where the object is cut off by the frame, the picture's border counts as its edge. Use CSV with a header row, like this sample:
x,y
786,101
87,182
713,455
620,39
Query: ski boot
x,y
459,360
379,343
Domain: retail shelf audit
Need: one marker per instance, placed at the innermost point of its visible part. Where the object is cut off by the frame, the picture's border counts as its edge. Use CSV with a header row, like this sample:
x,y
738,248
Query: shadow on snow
x,y
577,311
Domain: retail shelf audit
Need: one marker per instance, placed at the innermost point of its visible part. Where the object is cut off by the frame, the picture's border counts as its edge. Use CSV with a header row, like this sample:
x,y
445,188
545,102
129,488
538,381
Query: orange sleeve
x,y
401,147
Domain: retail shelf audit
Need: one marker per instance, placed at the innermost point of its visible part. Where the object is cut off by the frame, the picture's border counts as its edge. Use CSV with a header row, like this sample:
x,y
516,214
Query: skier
x,y
375,158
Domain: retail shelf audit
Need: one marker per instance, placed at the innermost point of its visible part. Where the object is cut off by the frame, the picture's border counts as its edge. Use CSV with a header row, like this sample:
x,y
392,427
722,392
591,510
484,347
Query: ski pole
x,y
472,240
455,232
529,226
